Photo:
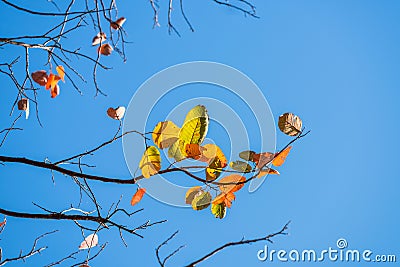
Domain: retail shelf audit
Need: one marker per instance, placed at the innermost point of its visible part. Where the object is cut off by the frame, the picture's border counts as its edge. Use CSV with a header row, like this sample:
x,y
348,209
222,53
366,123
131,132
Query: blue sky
x,y
334,63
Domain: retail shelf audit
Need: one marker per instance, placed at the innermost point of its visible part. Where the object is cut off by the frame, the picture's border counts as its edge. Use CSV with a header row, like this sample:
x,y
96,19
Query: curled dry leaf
x,y
99,38
23,104
105,49
39,77
290,124
116,113
118,23
90,241
138,196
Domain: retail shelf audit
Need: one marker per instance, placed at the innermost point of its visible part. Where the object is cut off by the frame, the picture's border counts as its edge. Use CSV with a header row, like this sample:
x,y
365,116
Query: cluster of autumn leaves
x,y
106,49
186,142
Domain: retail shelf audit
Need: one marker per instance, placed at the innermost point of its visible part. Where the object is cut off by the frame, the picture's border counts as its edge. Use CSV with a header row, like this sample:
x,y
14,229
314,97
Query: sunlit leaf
x,y
40,77
240,166
219,210
247,155
52,81
116,113
263,159
150,163
90,241
165,134
193,151
195,127
281,157
191,193
61,72
290,124
99,38
105,49
225,198
118,23
175,151
264,172
138,196
209,152
55,91
201,201
231,183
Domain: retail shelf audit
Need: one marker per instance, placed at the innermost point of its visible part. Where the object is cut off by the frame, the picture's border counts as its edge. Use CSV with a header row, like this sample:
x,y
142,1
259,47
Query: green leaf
x,y
165,134
201,201
219,210
150,163
194,128
247,155
175,151
240,166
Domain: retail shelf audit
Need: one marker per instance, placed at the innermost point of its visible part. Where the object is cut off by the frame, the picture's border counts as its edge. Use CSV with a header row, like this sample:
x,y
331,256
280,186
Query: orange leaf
x,y
193,151
138,196
55,91
225,198
61,72
281,157
3,222
232,183
267,171
52,81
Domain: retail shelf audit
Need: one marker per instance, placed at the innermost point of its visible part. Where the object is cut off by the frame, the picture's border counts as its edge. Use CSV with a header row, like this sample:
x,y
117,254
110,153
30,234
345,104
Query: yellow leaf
x,y
194,128
165,134
61,72
174,151
281,157
150,163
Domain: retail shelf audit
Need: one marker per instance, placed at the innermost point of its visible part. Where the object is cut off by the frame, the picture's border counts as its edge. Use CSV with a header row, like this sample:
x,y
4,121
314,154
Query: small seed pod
x,y
23,104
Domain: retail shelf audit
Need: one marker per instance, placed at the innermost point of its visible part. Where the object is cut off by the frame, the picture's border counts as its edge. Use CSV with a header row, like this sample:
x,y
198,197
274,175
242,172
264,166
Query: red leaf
x,y
138,196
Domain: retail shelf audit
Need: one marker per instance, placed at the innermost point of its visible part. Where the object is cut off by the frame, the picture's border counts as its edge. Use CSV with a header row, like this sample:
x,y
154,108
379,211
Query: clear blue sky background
x,y
334,63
